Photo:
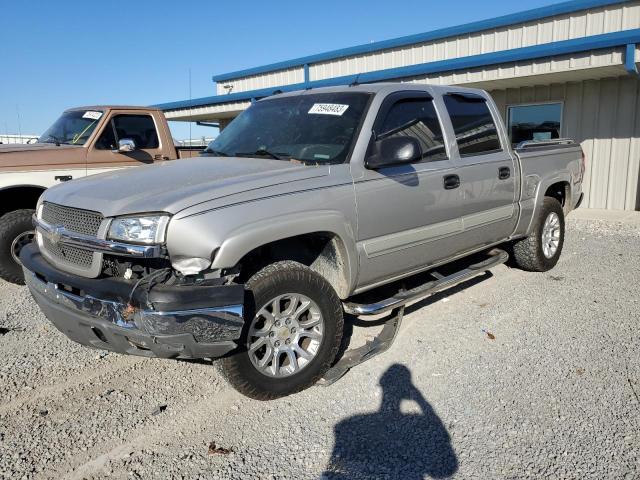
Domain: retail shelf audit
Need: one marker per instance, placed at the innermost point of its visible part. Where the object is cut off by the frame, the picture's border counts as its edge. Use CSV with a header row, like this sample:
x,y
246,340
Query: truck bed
x,y
189,152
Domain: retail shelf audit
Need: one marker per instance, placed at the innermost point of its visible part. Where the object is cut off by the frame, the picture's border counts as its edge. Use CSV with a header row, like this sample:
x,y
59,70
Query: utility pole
x,y
19,123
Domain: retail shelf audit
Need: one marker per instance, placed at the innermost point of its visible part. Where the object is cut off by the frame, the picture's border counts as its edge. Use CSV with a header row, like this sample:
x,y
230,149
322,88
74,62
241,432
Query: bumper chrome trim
x,y
60,235
206,324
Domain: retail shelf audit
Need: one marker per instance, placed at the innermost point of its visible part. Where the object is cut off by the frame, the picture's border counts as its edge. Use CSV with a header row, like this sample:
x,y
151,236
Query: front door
x,y
407,214
140,127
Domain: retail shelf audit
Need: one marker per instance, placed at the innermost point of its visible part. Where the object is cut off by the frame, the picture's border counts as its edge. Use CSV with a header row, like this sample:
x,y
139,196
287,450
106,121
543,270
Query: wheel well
x,y
560,191
323,252
17,198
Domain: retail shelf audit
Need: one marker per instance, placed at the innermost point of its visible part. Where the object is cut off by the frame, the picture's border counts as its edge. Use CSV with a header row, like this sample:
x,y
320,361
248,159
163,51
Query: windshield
x,y
314,128
72,128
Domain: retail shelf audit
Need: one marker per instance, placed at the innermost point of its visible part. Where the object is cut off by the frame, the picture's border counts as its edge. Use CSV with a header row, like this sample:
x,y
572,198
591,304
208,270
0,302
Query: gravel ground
x,y
519,375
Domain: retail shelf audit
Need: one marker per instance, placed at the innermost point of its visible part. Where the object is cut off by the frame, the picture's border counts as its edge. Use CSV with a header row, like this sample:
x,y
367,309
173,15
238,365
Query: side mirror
x,y
126,145
392,151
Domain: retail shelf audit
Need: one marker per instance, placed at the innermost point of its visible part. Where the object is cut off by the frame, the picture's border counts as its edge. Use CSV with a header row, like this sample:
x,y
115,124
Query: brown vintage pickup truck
x,y
83,141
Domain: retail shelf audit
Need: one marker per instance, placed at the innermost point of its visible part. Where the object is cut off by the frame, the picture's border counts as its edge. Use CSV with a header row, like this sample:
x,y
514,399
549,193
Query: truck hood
x,y
179,184
31,147
41,156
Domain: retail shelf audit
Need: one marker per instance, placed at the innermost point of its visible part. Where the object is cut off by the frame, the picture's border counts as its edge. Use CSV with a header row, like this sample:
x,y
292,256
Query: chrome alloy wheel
x,y
551,235
285,335
19,242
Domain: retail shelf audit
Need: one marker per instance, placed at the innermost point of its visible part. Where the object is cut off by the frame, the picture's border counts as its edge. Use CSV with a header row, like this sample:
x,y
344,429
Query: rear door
x,y
489,177
406,216
137,126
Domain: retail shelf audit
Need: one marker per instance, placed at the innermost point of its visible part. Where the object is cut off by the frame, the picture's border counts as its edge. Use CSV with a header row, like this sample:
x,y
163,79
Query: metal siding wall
x,y
601,114
621,143
632,196
553,29
266,80
564,63
210,110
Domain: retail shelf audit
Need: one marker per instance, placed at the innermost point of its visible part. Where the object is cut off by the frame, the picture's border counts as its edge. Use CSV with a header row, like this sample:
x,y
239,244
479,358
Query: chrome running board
x,y
496,257
383,341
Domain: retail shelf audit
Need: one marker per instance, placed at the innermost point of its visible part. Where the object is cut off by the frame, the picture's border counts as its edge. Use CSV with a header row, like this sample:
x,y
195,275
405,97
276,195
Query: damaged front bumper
x,y
182,322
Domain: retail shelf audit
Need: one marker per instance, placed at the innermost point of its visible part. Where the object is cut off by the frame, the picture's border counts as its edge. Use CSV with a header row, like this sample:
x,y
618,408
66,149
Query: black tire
x,y
12,226
273,280
528,253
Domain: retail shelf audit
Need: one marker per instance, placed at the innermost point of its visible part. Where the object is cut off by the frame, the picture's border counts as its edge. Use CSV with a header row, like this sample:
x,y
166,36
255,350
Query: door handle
x,y
451,182
63,178
504,173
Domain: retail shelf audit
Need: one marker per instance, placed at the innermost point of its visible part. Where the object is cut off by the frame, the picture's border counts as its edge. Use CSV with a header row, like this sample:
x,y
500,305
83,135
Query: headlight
x,y
147,229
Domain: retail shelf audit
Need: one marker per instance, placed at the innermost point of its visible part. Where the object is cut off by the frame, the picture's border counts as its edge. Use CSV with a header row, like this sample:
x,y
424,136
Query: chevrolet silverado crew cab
x,y
255,252
83,141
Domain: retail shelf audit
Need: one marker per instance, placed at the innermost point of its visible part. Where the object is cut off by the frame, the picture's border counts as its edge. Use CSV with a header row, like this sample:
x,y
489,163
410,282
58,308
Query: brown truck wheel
x,y
16,230
293,330
541,250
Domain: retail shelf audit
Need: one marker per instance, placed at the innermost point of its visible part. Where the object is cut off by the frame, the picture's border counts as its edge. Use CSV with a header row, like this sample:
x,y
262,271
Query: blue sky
x,y
64,53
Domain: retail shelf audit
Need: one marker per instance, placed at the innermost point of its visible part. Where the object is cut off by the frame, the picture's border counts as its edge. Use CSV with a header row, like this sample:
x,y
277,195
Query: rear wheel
x,y
16,231
541,250
293,331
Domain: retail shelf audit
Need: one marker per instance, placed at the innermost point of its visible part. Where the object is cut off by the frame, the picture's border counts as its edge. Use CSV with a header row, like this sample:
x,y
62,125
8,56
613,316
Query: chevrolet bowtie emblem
x,y
55,235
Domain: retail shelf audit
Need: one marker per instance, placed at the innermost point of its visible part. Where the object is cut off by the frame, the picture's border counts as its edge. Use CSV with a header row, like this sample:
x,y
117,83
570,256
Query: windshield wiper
x,y
55,139
261,152
218,153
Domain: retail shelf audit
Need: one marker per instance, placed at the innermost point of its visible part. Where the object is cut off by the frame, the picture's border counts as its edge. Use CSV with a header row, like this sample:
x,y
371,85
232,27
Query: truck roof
x,y
112,107
377,87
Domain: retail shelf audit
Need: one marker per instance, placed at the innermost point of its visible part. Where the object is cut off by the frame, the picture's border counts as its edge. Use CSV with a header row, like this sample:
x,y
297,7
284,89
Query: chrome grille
x,y
73,219
76,220
72,255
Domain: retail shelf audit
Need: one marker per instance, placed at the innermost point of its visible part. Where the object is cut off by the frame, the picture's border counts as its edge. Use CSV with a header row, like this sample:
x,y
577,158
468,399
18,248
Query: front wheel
x,y
541,250
16,231
292,335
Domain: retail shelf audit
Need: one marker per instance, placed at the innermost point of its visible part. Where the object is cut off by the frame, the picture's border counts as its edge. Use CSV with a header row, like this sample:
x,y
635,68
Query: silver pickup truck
x,y
254,252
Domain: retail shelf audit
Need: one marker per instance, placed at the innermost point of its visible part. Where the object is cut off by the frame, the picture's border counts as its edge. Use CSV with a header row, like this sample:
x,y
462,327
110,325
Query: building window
x,y
476,132
534,122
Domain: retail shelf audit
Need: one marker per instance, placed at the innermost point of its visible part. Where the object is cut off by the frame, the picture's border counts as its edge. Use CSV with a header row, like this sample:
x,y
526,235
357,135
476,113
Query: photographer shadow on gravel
x,y
390,444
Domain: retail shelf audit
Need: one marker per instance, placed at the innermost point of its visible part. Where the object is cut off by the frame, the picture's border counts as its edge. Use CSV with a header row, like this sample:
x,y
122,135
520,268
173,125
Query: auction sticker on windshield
x,y
92,115
328,109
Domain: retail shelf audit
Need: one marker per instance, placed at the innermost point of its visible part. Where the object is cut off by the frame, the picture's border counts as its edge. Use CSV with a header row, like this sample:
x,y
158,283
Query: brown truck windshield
x,y
314,128
72,128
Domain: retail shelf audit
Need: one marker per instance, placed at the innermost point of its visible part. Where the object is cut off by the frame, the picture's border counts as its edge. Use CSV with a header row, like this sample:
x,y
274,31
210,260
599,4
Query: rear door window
x,y
476,131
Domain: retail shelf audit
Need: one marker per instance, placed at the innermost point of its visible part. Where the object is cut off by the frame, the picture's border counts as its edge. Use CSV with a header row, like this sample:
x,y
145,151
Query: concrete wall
x,y
601,114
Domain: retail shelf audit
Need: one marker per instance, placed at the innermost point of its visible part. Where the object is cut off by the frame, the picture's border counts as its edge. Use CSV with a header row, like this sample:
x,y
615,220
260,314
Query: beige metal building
x,y
8,138
568,70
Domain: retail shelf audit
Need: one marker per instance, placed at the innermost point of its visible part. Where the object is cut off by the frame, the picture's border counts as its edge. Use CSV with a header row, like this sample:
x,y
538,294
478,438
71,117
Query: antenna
x,y
190,109
355,81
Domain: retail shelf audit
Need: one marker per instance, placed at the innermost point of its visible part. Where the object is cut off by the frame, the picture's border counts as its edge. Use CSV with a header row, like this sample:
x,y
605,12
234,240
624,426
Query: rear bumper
x,y
182,322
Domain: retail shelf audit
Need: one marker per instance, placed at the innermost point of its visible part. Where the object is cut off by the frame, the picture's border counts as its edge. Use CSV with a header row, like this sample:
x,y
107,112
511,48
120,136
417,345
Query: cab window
x,y
139,128
473,124
417,118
